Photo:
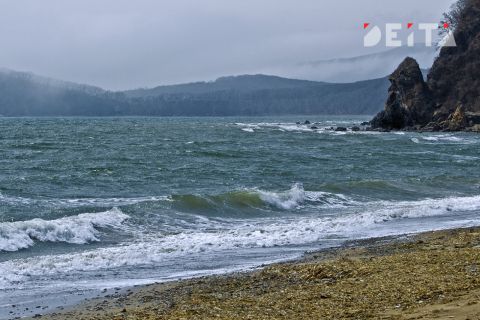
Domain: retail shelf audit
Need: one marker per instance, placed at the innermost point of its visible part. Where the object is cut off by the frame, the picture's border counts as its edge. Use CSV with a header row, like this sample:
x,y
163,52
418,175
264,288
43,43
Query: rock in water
x,y
409,101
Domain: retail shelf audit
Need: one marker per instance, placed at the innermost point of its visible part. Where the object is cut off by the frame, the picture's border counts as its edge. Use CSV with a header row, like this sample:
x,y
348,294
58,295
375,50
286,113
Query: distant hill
x,y
25,94
243,83
33,78
370,66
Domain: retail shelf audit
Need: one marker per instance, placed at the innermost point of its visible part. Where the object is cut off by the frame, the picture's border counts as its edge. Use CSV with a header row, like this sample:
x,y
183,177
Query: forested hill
x,y
24,94
243,84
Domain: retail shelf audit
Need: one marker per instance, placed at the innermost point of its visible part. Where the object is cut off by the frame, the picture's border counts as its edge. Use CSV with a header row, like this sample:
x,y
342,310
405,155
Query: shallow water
x,y
87,204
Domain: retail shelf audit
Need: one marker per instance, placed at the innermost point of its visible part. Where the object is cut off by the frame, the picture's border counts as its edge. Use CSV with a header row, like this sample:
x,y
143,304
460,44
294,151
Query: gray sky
x,y
120,44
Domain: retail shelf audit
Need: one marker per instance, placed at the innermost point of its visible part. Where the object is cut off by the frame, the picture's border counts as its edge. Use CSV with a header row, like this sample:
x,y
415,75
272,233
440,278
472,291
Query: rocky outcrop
x,y
457,120
409,101
450,98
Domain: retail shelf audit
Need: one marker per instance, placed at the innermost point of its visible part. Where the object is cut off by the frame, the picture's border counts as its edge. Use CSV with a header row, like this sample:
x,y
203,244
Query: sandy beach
x,y
433,275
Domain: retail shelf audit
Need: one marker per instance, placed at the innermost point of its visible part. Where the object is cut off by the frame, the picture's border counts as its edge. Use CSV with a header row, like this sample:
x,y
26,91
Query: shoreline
x,y
433,274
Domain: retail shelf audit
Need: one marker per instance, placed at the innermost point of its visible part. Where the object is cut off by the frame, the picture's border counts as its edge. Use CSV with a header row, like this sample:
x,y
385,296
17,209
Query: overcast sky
x,y
119,44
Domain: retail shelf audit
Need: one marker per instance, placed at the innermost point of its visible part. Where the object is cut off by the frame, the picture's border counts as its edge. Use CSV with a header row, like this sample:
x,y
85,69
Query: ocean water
x,y
94,203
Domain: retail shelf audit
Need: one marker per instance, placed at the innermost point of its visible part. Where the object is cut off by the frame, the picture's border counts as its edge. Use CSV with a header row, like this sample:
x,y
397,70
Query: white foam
x,y
275,125
447,138
80,202
297,196
77,229
324,127
284,200
359,221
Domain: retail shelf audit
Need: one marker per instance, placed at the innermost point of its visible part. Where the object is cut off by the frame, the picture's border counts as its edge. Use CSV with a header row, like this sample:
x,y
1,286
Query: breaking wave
x,y
293,198
368,219
79,229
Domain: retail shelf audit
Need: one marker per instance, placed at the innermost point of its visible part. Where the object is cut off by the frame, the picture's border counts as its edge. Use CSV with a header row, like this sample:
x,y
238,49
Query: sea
x,y
93,205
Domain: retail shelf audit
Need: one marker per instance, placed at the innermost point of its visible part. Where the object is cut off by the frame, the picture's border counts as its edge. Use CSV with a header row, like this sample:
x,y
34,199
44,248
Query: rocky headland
x,y
449,100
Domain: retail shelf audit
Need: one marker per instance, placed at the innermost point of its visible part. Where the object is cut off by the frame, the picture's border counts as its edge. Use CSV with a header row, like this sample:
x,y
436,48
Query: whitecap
x,y
260,233
284,200
296,196
80,202
79,229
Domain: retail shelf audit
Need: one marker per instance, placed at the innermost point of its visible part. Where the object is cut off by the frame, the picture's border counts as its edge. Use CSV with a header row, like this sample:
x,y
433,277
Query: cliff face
x,y
450,99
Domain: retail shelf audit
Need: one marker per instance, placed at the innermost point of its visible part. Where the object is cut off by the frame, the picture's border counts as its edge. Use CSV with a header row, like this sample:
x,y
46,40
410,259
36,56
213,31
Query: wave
x,y
297,196
371,219
324,127
250,127
444,139
254,198
79,202
79,229
291,199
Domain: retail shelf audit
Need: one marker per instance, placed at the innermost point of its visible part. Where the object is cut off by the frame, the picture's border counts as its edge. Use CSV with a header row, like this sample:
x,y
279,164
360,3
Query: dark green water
x,y
87,204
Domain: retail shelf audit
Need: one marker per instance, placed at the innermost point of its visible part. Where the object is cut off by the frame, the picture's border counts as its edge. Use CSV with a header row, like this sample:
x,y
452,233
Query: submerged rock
x,y
340,129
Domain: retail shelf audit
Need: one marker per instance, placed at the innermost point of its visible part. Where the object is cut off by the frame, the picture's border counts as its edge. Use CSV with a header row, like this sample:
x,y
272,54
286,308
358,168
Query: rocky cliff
x,y
450,98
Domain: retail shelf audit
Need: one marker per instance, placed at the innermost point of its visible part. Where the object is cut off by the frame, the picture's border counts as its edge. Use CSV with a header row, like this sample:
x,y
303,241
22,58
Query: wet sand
x,y
433,275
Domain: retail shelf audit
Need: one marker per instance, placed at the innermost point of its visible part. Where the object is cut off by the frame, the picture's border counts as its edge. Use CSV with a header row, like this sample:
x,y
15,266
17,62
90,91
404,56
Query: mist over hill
x,y
261,95
26,94
357,68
